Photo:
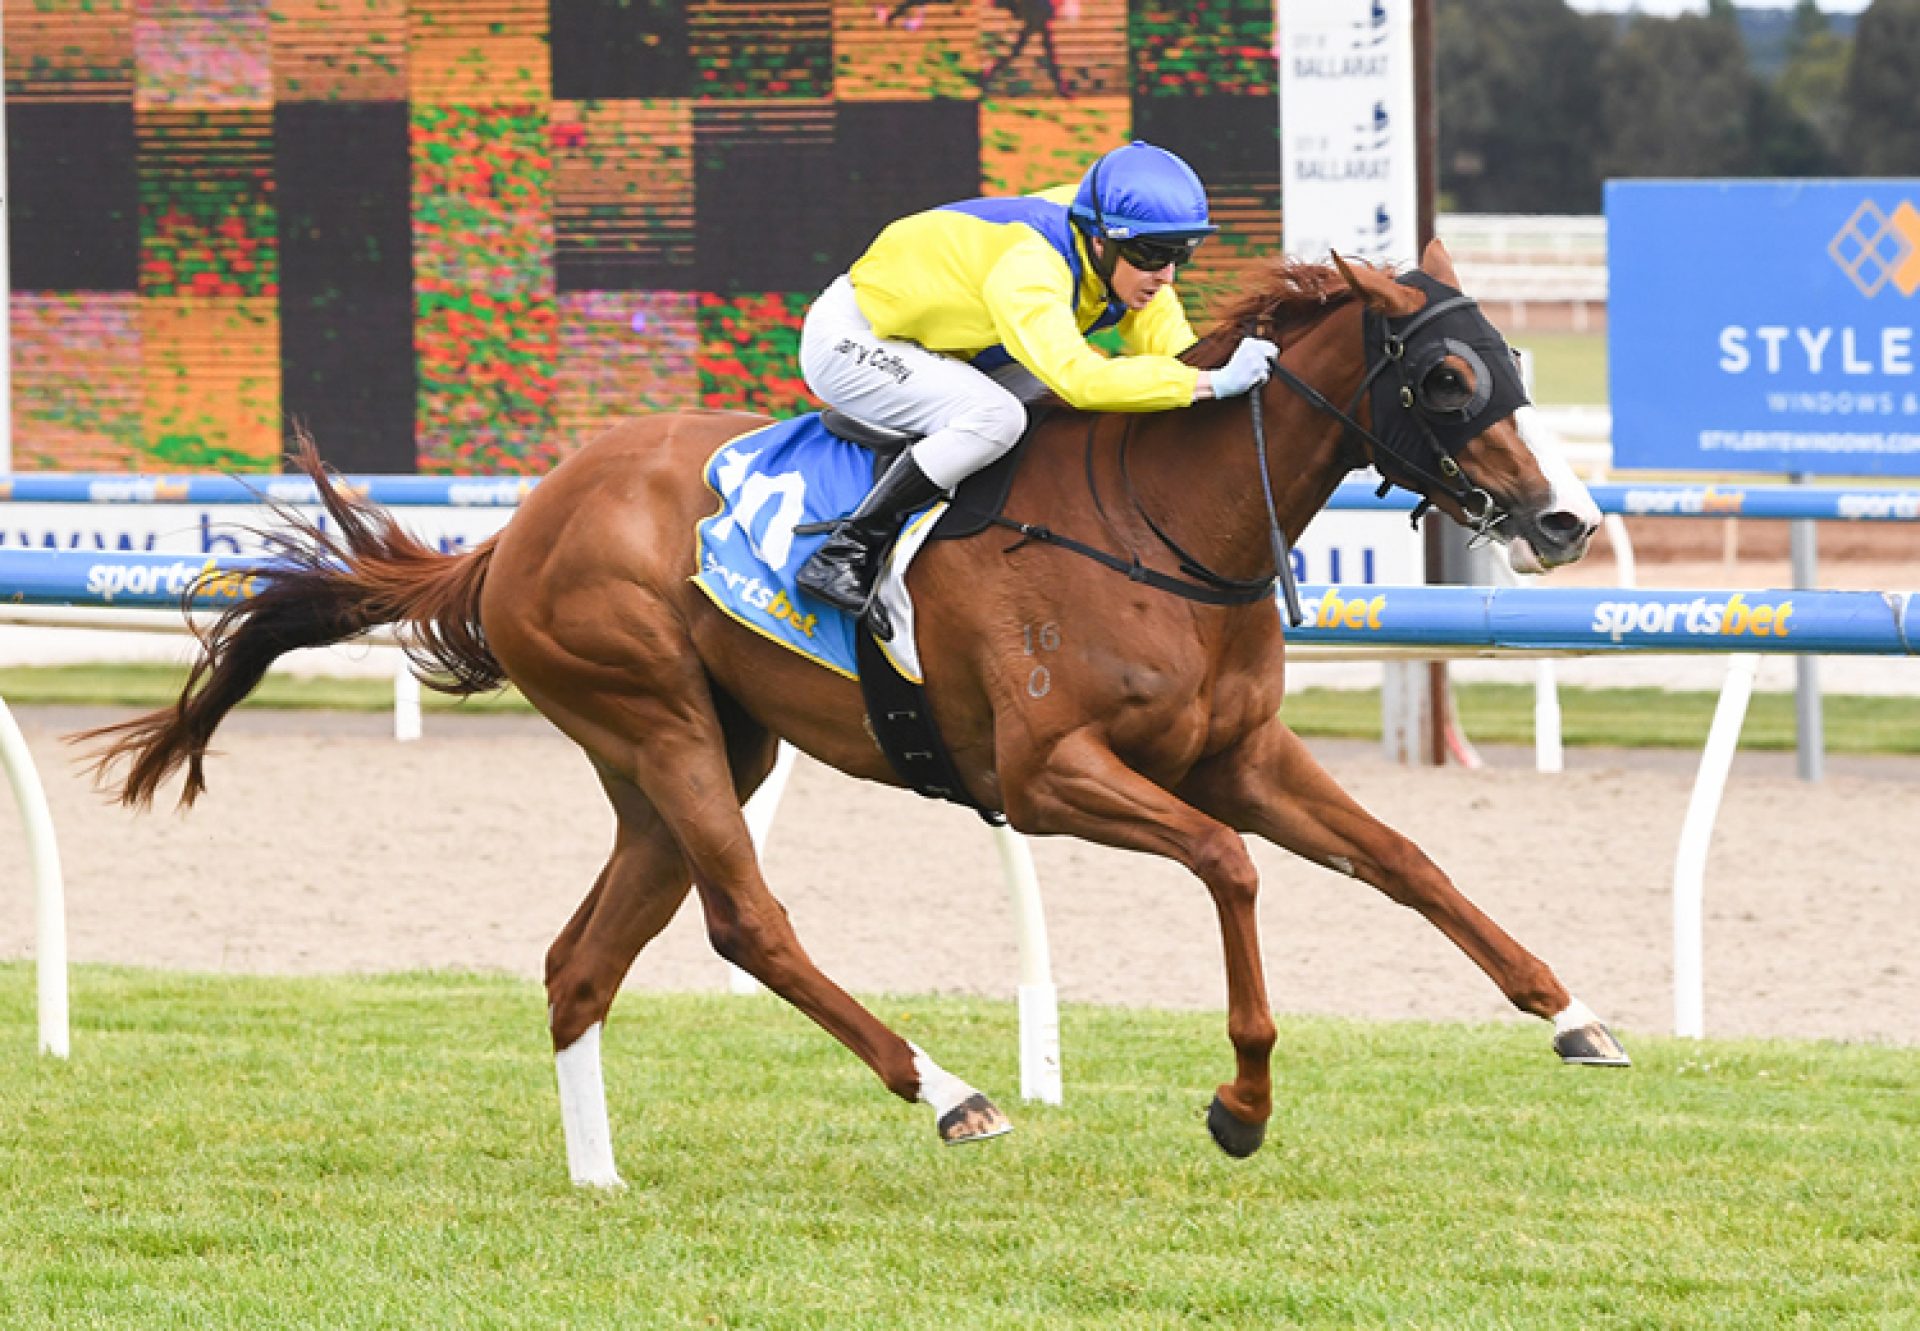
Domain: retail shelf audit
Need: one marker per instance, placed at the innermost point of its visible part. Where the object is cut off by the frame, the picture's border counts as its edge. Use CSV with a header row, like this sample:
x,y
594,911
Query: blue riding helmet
x,y
1139,191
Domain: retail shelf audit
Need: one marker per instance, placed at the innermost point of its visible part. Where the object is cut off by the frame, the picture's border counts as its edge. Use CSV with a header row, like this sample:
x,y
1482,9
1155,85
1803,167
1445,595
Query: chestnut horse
x,y
1161,731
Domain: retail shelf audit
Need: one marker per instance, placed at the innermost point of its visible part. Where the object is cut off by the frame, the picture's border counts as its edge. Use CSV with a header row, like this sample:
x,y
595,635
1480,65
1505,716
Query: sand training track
x,y
323,845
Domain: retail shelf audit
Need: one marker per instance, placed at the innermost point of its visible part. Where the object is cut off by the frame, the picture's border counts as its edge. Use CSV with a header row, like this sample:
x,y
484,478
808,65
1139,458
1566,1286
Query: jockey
x,y
954,318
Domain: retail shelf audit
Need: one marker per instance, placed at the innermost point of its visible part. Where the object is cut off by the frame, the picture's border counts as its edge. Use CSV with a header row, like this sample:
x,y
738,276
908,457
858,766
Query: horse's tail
x,y
325,587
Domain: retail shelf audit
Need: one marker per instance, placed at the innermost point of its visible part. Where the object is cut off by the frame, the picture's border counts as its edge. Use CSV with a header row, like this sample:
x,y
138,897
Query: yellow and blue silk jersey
x,y
991,279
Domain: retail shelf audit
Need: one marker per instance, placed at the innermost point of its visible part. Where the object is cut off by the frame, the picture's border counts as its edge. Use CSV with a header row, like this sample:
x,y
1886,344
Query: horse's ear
x,y
1438,264
1378,291
1352,281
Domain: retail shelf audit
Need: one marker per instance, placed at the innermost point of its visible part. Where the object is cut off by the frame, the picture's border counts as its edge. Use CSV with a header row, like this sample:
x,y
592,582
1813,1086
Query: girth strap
x,y
903,726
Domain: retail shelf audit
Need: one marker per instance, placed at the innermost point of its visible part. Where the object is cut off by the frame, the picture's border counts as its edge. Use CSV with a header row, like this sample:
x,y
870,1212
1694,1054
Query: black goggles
x,y
1152,253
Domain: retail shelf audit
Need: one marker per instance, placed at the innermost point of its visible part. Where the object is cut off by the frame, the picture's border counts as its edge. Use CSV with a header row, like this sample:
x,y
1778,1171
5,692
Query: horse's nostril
x,y
1564,526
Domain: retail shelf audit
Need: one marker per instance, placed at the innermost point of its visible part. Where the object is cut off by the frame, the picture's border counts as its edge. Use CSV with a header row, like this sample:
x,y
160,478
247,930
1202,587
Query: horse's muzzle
x,y
1550,537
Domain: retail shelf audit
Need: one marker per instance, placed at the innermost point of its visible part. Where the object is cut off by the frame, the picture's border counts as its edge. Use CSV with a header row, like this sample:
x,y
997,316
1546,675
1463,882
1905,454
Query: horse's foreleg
x,y
1271,786
1082,789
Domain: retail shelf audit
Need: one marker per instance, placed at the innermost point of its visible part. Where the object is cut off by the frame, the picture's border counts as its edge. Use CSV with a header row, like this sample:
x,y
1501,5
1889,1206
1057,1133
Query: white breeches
x,y
967,418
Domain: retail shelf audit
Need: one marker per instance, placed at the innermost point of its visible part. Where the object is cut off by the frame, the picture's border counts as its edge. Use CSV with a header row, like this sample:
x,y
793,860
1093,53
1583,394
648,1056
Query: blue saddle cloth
x,y
769,482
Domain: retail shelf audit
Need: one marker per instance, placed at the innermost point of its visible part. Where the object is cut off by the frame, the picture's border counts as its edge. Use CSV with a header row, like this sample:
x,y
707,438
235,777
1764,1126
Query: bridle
x,y
1414,444
1417,438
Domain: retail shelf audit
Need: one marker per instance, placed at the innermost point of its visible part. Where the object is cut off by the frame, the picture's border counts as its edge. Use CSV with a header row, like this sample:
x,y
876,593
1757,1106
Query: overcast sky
x,y
1699,6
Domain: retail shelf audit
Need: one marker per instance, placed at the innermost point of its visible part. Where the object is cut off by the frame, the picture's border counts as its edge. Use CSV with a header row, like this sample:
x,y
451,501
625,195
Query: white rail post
x,y
1696,835
1626,569
1039,1000
1548,756
406,700
1809,724
49,902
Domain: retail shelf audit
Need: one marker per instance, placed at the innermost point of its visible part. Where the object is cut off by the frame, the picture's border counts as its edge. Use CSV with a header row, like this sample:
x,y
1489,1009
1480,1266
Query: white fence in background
x,y
1523,260
1579,239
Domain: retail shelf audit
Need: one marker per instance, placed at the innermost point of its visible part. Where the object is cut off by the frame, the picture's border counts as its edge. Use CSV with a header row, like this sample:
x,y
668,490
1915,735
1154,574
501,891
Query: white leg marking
x,y
1575,1015
938,1087
1343,864
583,1113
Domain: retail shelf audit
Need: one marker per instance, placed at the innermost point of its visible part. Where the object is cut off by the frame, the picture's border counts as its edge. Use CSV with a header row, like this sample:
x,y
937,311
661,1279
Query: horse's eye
x,y
1445,389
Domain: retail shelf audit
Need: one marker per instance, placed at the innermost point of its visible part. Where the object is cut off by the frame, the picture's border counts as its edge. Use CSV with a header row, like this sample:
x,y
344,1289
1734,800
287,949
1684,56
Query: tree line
x,y
1539,105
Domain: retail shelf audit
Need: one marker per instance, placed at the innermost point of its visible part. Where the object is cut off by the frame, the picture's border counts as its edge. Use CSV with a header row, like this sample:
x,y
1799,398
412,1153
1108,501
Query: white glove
x,y
1248,367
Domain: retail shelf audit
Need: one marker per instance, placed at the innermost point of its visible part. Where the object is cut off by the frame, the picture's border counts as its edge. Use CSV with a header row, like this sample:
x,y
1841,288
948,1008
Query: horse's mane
x,y
1278,295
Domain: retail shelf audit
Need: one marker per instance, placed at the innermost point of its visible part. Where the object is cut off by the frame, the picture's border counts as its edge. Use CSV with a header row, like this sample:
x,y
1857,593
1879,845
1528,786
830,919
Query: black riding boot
x,y
843,571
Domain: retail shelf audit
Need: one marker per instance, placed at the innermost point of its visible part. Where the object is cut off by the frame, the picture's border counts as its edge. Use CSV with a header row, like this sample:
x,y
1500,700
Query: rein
x,y
1483,516
1201,584
1206,586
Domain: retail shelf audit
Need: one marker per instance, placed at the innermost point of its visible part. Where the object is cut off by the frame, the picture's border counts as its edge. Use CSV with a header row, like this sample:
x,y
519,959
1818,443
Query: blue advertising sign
x,y
1765,325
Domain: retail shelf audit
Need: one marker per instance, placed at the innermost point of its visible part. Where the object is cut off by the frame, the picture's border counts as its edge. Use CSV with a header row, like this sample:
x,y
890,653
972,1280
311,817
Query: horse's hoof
x,y
1591,1045
1236,1138
974,1119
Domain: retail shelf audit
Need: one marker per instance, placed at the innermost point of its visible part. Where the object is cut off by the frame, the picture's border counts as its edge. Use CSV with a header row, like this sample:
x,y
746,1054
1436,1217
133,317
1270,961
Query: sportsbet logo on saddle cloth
x,y
770,482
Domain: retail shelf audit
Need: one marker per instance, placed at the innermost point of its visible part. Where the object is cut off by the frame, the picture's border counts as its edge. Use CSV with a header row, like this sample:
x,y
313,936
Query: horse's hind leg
x,y
750,928
644,881
1271,786
636,895
659,728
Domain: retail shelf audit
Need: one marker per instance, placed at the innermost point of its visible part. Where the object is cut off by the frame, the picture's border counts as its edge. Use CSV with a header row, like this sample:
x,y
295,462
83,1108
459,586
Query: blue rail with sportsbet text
x,y
1477,618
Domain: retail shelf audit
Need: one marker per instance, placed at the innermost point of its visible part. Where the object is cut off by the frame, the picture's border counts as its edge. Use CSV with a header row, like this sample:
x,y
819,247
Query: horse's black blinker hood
x,y
1424,413
1413,413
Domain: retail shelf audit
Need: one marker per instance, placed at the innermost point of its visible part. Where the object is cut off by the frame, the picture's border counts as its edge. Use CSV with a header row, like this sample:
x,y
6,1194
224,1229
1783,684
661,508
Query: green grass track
x,y
349,1153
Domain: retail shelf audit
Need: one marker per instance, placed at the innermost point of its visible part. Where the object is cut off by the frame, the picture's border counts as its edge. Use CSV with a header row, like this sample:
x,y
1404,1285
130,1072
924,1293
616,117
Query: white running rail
x,y
1696,835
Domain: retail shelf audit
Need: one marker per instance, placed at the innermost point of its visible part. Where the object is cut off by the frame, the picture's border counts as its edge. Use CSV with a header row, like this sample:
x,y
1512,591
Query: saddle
x,y
897,710
973,506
